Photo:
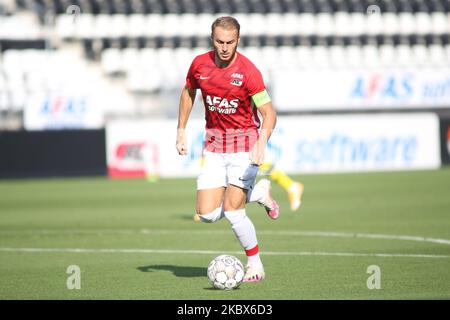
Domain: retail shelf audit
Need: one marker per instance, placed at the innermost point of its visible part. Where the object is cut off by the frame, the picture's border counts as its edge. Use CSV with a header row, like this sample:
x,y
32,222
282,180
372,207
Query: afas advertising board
x,y
309,144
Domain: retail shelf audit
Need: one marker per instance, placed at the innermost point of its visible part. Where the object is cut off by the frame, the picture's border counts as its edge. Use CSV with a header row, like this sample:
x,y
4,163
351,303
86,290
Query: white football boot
x,y
269,203
254,274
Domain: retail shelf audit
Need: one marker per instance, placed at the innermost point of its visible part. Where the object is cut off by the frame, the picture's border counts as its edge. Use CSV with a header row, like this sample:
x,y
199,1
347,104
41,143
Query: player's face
x,y
225,43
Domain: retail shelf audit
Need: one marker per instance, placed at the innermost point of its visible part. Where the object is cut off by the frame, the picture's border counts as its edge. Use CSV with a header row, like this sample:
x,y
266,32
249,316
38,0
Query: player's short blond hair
x,y
227,23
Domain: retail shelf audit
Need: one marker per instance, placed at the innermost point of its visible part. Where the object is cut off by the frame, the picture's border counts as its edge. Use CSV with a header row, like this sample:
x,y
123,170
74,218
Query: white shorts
x,y
222,169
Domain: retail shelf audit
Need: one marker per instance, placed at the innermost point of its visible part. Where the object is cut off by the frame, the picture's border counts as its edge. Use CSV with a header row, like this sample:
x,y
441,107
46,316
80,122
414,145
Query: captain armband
x,y
261,98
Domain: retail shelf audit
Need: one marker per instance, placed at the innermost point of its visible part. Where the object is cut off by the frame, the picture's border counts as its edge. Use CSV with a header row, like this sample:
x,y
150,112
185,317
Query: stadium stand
x,y
144,47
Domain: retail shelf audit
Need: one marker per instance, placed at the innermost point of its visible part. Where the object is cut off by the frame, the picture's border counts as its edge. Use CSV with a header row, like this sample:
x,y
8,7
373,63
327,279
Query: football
x,y
225,272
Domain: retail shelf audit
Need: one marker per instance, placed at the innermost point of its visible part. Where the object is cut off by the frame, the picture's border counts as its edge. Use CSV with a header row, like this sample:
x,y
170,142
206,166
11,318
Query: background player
x,y
293,188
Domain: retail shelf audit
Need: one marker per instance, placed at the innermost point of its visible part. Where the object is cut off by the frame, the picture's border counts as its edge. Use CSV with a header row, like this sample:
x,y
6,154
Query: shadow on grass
x,y
178,271
220,290
187,217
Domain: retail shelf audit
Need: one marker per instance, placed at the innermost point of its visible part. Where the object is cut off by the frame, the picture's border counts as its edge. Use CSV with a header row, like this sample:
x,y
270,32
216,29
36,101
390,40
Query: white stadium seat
x,y
36,81
244,22
148,58
374,24
287,56
342,22
371,56
354,56
307,24
403,56
111,61
102,26
320,55
12,63
291,24
423,23
4,100
65,26
440,24
358,24
305,56
183,58
448,21
118,25
274,24
254,25
447,53
136,26
337,56
437,55
24,26
420,55
18,98
324,24
204,24
188,25
270,56
170,25
390,23
84,26
130,59
407,23
165,57
254,54
154,25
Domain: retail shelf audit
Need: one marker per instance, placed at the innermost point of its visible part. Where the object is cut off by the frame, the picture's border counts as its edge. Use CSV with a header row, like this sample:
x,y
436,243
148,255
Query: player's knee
x,y
210,216
232,203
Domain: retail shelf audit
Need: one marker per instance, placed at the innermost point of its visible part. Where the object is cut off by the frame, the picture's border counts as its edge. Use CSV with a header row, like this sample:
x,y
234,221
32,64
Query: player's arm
x,y
269,116
187,99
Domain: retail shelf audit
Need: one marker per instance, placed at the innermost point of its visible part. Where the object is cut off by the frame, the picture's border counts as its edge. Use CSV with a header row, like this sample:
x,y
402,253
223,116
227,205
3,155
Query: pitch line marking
x,y
211,252
260,232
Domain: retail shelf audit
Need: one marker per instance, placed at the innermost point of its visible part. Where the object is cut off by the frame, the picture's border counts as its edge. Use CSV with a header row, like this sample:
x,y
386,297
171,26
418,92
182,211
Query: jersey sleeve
x,y
191,81
255,82
257,88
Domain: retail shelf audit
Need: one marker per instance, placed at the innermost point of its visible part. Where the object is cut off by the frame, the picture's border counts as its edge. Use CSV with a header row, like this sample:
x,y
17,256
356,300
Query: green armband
x,y
261,98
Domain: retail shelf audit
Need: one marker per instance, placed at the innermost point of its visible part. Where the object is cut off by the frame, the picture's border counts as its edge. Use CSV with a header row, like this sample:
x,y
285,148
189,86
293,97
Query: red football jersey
x,y
232,120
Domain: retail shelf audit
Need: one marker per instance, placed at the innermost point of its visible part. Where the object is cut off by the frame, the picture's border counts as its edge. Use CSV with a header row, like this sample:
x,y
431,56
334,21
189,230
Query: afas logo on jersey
x,y
238,79
221,105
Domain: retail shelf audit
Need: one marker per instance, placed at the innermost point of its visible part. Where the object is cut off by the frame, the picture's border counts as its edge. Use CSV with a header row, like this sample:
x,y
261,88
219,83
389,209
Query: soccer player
x,y
233,93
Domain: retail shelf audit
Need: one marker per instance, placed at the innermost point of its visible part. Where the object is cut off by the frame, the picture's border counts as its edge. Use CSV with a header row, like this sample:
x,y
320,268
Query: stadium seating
x,y
148,44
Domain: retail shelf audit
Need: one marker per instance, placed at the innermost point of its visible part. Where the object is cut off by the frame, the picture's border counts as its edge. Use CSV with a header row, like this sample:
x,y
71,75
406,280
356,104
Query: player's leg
x,y
211,185
244,230
262,194
210,204
293,188
241,177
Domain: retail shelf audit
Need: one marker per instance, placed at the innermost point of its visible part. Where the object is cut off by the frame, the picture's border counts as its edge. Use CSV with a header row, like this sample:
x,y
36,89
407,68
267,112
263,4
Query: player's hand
x,y
181,142
257,153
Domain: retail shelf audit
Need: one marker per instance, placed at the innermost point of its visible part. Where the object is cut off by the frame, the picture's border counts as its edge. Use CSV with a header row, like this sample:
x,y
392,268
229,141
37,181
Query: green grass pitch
x,y
136,240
